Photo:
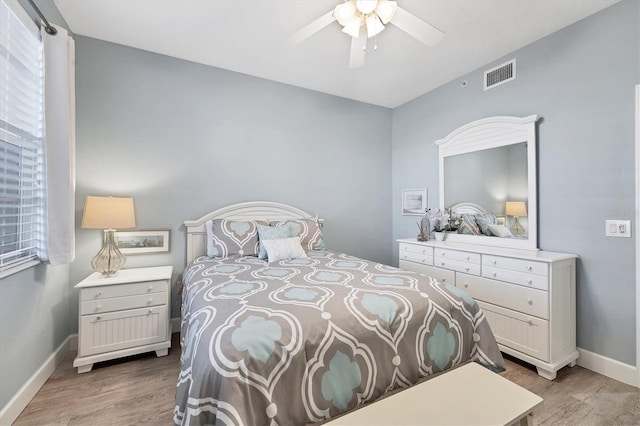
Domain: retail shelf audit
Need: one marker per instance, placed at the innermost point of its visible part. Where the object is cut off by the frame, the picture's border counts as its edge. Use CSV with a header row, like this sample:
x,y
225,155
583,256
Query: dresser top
x,y
540,255
125,276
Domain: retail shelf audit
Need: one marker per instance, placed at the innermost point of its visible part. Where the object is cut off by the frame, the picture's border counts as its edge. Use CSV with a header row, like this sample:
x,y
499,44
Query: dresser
x,y
123,315
528,296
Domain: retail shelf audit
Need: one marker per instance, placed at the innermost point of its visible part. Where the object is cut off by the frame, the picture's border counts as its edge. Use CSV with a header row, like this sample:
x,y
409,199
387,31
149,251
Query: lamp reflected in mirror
x,y
516,209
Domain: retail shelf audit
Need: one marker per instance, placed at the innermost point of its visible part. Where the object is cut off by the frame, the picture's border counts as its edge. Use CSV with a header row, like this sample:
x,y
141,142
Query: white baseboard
x,y
21,399
617,370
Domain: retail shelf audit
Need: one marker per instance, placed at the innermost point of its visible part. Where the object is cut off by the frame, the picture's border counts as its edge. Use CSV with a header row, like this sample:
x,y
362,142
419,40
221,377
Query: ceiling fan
x,y
363,19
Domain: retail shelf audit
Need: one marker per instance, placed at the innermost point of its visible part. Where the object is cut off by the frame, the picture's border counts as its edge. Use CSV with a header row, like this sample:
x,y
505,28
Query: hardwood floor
x,y
140,391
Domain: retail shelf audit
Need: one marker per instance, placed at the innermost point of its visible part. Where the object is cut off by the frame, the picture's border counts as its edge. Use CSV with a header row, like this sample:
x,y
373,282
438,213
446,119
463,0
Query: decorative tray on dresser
x,y
528,296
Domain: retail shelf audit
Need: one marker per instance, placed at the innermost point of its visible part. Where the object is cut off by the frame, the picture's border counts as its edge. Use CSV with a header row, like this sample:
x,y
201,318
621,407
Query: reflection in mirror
x,y
486,164
489,178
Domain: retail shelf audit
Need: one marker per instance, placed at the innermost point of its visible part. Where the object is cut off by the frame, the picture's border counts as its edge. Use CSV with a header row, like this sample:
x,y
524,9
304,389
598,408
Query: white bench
x,y
468,395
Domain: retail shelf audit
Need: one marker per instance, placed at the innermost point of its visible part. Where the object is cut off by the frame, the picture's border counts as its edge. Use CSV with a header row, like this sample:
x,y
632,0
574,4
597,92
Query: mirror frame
x,y
493,132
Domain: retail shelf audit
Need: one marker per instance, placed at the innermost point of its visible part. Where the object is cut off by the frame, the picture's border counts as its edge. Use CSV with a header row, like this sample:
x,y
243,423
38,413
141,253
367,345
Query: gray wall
x,y
582,81
184,139
34,304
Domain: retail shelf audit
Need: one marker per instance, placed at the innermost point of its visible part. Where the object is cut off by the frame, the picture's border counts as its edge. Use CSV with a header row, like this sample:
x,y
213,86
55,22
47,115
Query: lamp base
x,y
109,259
517,228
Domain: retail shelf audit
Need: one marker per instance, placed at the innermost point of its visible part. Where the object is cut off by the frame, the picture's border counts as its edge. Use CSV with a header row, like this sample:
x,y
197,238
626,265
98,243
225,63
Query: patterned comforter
x,y
302,340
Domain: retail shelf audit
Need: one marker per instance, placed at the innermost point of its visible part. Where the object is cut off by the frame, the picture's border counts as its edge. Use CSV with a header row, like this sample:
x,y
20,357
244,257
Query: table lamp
x,y
109,214
516,209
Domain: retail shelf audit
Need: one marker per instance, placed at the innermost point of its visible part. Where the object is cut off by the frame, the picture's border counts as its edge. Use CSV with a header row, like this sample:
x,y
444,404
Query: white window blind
x,y
21,138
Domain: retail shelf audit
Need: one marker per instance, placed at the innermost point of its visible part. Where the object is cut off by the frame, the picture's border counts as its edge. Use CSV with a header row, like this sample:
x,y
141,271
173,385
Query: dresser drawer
x,y
457,265
442,275
524,333
416,248
526,300
518,265
463,256
540,282
425,259
119,303
120,290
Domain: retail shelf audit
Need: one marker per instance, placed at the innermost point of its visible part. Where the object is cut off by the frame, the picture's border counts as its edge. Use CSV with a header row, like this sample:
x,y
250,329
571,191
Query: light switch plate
x,y
617,228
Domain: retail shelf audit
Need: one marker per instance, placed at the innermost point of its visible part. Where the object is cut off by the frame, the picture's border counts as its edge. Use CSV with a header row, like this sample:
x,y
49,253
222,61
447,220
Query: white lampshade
x,y
516,208
374,26
108,213
366,6
386,10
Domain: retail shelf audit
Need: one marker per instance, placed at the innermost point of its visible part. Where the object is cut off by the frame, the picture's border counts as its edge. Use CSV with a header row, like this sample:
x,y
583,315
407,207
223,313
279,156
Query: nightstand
x,y
123,315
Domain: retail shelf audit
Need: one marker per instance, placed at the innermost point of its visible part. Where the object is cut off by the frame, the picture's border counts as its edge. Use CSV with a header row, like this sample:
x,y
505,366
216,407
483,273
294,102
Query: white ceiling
x,y
249,36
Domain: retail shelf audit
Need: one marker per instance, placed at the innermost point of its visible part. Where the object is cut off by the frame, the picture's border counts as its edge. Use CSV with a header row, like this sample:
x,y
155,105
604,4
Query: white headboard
x,y
467,208
253,210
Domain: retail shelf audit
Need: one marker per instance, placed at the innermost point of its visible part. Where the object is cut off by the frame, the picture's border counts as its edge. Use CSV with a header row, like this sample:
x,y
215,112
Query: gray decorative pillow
x,y
229,237
308,230
484,220
468,225
271,233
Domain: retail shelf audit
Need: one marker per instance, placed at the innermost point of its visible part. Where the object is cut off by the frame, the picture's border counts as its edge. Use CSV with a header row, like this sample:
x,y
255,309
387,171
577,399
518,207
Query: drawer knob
x,y
495,262
150,287
98,294
443,253
495,274
466,285
443,279
150,301
530,322
424,251
530,282
98,307
424,260
530,301
442,263
150,311
98,318
405,256
466,268
530,268
468,258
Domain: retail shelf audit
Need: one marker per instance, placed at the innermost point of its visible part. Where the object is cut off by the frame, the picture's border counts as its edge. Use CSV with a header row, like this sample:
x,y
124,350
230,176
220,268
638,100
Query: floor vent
x,y
501,74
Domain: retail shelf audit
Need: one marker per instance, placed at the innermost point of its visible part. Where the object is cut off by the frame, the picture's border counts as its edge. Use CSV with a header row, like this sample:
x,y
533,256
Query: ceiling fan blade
x,y
312,28
416,27
356,57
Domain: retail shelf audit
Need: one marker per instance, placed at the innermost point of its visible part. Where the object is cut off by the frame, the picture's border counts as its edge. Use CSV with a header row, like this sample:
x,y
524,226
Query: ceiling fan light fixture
x,y
345,13
374,25
385,10
366,6
353,27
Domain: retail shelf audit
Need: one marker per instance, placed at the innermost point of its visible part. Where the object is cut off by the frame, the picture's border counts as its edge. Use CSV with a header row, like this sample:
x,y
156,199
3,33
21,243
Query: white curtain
x,y
60,143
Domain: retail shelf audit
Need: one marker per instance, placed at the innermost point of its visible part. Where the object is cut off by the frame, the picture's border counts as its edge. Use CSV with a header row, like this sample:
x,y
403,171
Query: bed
x,y
302,339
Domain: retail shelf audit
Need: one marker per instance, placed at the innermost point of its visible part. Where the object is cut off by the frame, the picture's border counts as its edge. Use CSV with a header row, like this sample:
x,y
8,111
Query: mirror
x,y
484,165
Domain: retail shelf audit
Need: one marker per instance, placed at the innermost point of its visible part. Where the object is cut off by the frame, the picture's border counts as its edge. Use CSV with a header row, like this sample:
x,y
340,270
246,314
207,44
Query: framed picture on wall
x,y
414,201
139,242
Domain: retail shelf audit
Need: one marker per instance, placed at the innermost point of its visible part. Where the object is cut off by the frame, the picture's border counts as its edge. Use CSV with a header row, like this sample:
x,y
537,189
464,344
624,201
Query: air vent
x,y
499,75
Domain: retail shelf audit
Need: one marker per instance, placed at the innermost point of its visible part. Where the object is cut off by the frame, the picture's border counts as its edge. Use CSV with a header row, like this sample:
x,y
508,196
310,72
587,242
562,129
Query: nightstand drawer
x,y
526,300
121,303
425,259
120,290
518,265
123,329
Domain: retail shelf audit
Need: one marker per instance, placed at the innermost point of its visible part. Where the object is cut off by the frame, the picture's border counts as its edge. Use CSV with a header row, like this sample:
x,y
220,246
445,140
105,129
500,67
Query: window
x,y
22,216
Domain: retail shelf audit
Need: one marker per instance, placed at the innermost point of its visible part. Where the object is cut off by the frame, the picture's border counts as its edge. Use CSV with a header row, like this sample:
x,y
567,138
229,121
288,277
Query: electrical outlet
x,y
617,228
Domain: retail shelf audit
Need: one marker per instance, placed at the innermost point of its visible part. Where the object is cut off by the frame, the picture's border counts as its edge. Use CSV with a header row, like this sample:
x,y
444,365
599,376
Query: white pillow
x,y
500,231
283,249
